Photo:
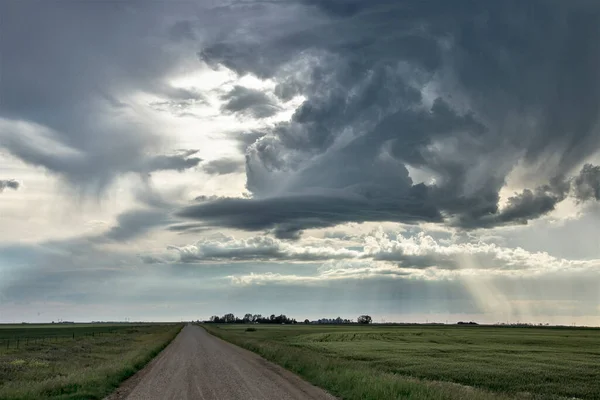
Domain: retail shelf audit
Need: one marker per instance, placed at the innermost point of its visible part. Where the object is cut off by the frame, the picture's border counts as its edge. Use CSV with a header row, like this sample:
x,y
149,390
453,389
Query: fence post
x,y
73,335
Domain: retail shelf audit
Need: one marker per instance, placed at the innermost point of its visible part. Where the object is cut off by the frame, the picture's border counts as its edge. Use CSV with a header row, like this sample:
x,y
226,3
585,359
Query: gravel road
x,y
197,365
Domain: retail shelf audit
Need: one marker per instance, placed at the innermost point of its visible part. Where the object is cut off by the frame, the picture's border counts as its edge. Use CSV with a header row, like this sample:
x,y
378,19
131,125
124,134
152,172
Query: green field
x,y
432,362
84,361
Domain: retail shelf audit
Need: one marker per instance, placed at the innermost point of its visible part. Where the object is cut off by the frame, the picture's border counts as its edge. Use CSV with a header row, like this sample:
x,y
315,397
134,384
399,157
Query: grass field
x,y
75,362
432,362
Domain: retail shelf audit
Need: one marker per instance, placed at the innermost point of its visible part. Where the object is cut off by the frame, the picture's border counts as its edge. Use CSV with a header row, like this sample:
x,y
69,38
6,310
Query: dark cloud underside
x,y
287,216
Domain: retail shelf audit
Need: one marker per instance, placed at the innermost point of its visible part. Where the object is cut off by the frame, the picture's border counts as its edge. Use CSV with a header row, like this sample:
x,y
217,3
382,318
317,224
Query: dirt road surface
x,y
197,365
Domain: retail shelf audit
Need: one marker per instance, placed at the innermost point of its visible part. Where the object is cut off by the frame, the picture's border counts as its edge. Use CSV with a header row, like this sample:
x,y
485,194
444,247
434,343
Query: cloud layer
x,y
260,248
380,253
460,94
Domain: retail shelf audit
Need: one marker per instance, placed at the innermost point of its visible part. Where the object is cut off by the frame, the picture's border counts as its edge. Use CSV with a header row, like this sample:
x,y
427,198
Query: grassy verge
x,y
365,363
90,366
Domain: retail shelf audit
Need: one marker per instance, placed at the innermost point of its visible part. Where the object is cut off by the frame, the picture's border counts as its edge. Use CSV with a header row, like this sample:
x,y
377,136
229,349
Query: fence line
x,y
21,341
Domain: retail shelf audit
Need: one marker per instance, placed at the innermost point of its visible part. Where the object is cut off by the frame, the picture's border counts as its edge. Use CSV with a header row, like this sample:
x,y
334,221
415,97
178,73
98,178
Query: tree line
x,y
230,318
252,318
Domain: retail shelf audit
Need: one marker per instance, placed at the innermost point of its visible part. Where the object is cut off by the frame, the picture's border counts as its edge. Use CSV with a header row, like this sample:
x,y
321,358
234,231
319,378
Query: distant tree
x,y
249,318
282,319
228,318
364,319
306,321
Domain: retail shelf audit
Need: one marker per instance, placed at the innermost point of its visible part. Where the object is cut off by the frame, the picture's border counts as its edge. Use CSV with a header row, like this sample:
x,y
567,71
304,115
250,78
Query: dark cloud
x,y
134,223
193,227
521,207
587,183
9,184
203,198
288,215
461,92
251,102
130,225
532,204
223,166
67,79
246,139
176,162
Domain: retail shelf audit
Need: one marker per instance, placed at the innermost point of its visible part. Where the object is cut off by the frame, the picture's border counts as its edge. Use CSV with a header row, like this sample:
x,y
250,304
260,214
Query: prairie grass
x,y
86,367
432,362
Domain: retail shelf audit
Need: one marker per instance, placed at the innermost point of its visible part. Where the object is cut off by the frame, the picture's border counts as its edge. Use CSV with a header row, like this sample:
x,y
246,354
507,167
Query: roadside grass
x,y
432,362
87,367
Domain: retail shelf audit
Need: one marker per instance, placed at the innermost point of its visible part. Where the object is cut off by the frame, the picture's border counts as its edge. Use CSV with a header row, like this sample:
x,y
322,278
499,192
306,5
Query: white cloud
x,y
424,251
264,248
379,253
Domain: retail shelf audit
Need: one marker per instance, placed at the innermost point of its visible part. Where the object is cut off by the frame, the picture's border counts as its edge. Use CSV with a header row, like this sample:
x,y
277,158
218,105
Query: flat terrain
x,y
197,365
432,362
85,361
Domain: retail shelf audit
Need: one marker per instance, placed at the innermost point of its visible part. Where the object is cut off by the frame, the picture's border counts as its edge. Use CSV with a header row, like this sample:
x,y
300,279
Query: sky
x,y
411,160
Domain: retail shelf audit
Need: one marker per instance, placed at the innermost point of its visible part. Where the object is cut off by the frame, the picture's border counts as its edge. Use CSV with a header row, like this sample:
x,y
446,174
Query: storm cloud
x,y
460,93
285,216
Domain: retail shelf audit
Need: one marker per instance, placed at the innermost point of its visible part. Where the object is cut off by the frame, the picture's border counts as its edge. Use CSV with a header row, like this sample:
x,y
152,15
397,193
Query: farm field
x,y
431,362
75,361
